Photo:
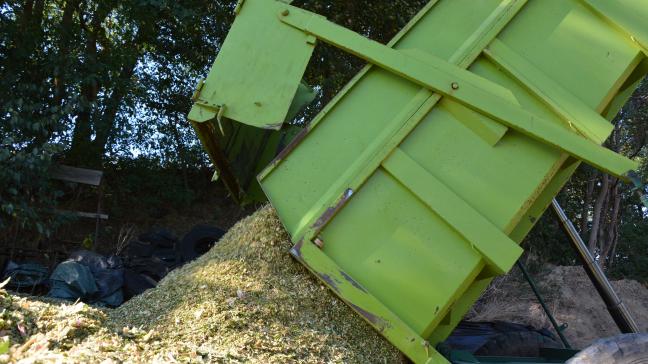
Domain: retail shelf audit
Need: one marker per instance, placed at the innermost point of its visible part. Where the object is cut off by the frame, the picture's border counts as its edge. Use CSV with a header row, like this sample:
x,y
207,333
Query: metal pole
x,y
618,310
544,305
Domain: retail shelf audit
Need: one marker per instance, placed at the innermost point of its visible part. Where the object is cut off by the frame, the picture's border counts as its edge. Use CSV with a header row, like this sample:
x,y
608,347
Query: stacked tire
x,y
157,252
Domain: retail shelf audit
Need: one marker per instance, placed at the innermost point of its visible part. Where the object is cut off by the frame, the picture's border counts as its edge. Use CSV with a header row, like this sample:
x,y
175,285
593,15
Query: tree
x,y
606,196
103,80
608,214
70,75
28,118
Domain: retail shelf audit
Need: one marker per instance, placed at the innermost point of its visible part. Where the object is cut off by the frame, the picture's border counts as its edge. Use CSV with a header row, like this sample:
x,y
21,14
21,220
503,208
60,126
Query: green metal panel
x,y
234,102
256,53
414,186
240,151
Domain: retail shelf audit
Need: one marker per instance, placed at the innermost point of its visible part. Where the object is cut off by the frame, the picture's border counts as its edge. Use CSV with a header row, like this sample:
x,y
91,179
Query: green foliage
x,y
547,243
145,186
90,77
27,198
632,254
27,122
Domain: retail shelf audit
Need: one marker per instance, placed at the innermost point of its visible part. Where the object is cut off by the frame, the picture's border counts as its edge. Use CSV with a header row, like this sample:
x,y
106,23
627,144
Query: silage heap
x,y
246,300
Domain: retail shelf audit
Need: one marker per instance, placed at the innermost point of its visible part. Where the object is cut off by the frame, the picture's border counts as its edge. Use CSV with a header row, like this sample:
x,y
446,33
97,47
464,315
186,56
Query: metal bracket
x,y
199,88
463,86
219,118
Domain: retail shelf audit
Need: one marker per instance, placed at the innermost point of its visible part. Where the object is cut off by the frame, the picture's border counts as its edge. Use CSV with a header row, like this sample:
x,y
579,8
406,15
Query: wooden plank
x,y
76,175
89,215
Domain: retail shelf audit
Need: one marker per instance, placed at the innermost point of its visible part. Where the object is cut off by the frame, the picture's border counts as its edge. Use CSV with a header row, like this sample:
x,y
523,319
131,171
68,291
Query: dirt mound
x,y
571,297
244,301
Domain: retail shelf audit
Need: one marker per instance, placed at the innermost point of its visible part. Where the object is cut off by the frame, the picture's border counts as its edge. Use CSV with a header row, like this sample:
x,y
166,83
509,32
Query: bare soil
x,y
570,296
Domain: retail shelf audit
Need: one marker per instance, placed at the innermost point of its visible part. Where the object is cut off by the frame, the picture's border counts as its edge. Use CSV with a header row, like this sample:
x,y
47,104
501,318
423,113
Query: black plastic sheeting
x,y
472,336
25,275
72,281
89,277
109,281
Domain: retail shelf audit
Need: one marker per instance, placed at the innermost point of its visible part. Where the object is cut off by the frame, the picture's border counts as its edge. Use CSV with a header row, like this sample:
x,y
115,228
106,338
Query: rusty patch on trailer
x,y
290,147
353,282
331,211
379,323
332,283
319,242
296,250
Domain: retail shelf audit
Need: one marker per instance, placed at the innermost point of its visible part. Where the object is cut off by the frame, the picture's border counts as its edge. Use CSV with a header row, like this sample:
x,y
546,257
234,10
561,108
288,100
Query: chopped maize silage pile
x,y
246,300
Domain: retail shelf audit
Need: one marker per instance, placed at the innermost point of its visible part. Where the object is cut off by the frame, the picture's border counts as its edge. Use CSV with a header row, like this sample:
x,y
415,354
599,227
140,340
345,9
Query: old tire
x,y
622,349
198,242
152,267
136,283
139,249
168,256
159,238
517,343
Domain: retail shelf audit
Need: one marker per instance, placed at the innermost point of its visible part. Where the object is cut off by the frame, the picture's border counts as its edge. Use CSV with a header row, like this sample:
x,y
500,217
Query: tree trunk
x,y
81,152
61,69
105,125
26,16
598,210
180,147
86,150
589,192
613,226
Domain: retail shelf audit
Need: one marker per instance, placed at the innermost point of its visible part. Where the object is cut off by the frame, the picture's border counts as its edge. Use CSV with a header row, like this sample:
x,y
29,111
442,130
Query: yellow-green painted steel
x,y
239,151
413,188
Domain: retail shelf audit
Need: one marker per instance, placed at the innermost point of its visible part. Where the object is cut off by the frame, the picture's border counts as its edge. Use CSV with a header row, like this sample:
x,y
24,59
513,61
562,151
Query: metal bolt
x,y
455,86
426,345
311,40
319,242
285,12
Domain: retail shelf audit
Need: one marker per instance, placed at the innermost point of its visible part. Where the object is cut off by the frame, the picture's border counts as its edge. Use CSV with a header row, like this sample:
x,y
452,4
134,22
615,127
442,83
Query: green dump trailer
x,y
414,187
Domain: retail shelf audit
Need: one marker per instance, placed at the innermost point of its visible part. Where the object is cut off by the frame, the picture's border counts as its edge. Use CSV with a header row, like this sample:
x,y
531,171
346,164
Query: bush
x,y
27,198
